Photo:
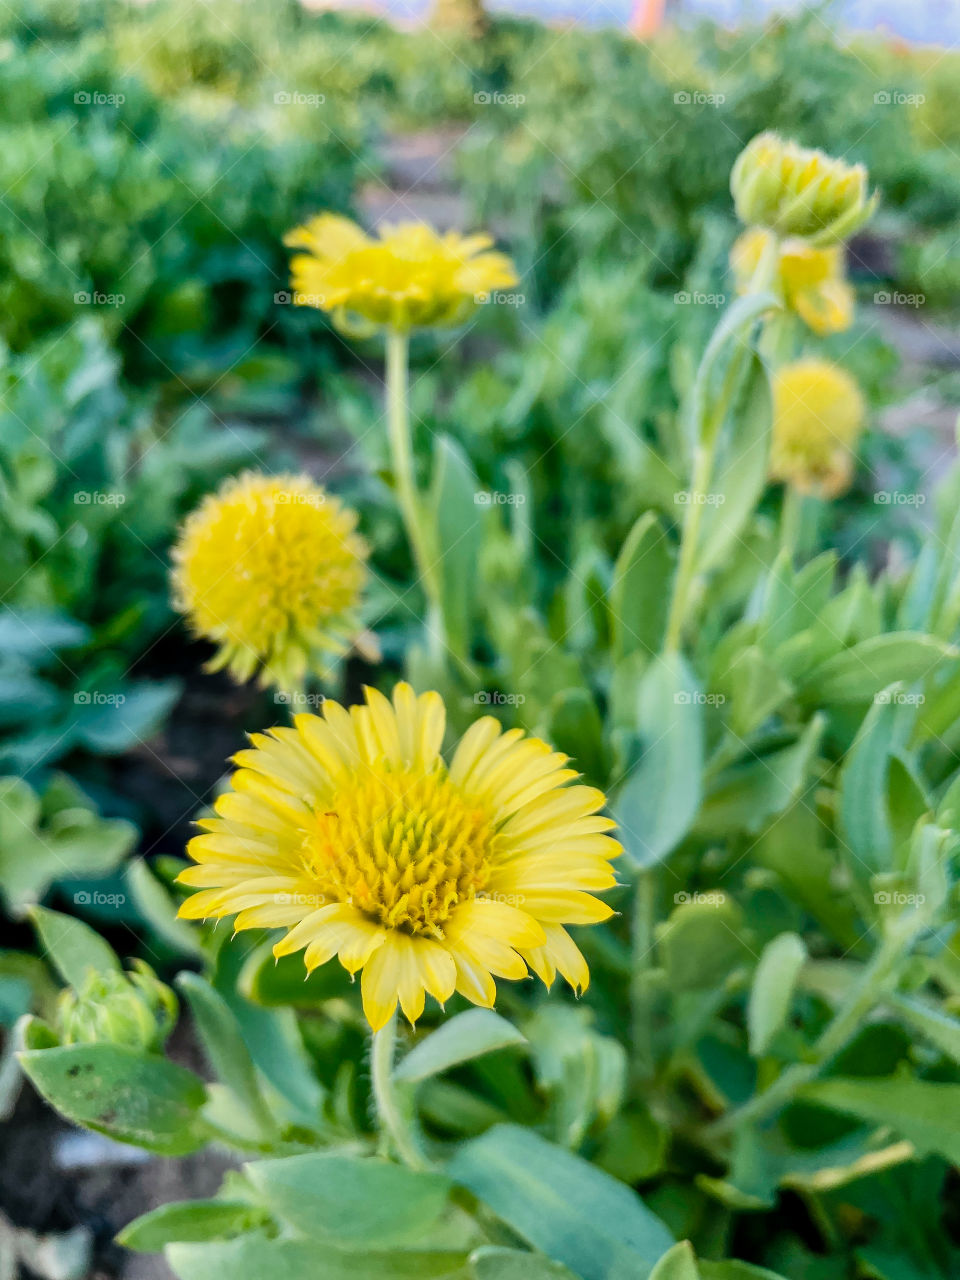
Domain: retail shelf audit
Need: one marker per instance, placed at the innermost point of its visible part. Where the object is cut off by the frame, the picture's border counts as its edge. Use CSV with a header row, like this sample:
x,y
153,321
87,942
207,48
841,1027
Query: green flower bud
x,y
134,1009
796,191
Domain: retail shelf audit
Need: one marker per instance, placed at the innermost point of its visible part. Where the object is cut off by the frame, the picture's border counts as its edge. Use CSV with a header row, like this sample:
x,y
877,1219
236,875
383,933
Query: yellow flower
x,y
796,191
810,280
351,832
407,276
817,415
270,569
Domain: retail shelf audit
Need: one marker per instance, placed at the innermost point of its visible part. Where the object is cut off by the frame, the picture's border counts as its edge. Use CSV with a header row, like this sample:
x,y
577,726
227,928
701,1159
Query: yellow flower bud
x,y
797,191
133,1009
811,281
818,412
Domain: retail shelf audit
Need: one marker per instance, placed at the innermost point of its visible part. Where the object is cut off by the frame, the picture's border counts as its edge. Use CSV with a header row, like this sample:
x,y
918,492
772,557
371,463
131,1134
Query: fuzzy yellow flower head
x,y
352,832
811,281
818,412
270,568
795,191
406,276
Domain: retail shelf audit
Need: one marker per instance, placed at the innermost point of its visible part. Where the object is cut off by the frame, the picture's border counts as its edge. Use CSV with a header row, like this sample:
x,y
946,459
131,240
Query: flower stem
x,y
689,538
791,521
401,457
644,906
879,976
394,1126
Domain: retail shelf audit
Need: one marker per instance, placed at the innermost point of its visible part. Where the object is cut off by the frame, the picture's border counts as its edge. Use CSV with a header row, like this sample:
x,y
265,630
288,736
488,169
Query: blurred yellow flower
x,y
351,832
270,569
796,191
810,280
406,276
818,412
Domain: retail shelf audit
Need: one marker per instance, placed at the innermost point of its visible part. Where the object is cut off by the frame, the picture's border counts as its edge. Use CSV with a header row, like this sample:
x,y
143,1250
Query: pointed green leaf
x,y
772,991
72,946
468,1035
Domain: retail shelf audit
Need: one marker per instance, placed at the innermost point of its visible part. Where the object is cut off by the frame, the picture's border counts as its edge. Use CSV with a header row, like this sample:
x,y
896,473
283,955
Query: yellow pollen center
x,y
404,848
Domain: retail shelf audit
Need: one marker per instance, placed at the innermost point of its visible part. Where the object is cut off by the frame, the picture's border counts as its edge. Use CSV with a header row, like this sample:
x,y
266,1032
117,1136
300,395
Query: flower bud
x,y
812,282
134,1009
796,191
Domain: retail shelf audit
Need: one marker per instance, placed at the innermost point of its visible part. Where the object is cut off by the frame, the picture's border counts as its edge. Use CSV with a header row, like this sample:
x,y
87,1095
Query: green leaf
x,y
72,946
492,1263
562,1205
271,981
701,942
110,728
577,729
458,535
468,1035
661,796
189,1220
254,1257
924,1112
858,673
134,1097
741,475
355,1202
224,1047
864,806
157,905
773,986
640,590
732,1270
678,1263
939,1028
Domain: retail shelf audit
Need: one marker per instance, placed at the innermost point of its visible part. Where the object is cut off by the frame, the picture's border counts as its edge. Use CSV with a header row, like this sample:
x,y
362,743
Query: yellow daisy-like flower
x,y
406,276
797,191
811,281
351,832
270,568
818,412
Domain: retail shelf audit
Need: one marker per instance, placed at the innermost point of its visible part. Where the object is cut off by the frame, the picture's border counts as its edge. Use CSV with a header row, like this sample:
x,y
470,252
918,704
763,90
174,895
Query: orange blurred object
x,y
647,17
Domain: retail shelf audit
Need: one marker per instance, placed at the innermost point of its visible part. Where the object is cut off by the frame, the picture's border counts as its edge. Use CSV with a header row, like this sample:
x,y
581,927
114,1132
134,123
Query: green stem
x,y
644,914
878,977
401,456
393,1123
689,538
791,521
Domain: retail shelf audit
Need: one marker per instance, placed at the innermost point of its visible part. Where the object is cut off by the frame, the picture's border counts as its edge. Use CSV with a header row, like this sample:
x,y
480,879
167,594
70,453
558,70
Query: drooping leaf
x,y
562,1205
772,990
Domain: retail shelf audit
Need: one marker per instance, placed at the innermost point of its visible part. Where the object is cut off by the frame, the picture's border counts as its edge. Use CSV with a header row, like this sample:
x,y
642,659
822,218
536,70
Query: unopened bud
x,y
134,1009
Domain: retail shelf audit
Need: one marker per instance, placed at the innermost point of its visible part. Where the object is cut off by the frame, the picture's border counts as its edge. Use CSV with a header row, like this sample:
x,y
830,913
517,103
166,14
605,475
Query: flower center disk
x,y
403,848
